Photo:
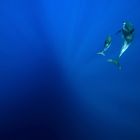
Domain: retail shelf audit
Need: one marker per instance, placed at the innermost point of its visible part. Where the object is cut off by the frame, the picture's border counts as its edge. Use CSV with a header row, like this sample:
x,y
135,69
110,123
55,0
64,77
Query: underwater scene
x,y
69,70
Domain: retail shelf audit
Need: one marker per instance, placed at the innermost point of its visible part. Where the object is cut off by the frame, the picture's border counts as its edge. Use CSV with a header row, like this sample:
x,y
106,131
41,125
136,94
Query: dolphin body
x,y
107,44
127,35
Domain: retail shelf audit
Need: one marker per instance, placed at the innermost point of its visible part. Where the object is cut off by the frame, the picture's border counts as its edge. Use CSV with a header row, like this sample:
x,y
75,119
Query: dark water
x,y
53,86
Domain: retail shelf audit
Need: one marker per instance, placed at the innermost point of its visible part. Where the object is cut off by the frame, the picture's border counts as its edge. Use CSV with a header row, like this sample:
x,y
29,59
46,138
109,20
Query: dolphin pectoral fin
x,y
101,53
118,32
115,62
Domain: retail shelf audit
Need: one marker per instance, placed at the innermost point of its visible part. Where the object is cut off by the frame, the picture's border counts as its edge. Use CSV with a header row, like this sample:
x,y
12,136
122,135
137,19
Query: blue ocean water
x,y
53,85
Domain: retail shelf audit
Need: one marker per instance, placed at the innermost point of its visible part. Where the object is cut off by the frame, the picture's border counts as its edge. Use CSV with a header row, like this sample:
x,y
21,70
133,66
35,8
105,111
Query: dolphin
x,y
127,35
107,44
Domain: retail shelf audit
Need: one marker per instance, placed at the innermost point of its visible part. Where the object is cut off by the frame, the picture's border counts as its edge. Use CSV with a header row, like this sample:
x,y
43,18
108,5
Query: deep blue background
x,y
53,86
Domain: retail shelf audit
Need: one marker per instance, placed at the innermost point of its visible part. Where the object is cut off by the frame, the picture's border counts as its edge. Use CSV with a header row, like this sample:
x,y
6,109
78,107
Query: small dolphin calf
x,y
115,62
107,44
127,34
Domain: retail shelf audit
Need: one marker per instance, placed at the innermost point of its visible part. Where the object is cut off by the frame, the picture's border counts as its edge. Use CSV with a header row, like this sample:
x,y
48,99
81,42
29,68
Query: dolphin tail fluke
x,y
101,53
115,62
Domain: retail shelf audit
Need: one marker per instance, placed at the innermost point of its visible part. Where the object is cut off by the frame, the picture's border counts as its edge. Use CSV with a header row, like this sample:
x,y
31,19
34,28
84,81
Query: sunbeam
x,y
53,85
